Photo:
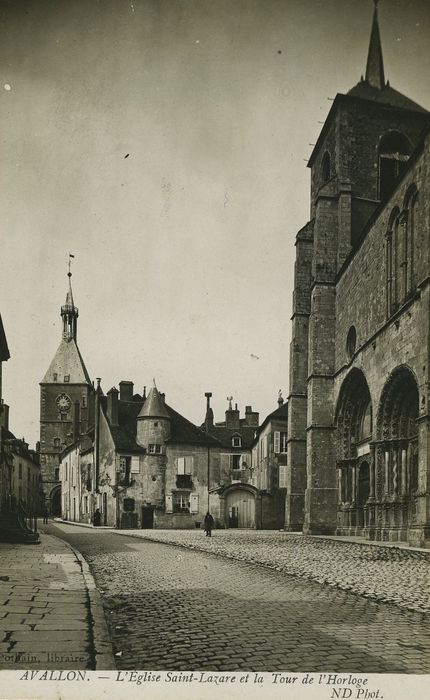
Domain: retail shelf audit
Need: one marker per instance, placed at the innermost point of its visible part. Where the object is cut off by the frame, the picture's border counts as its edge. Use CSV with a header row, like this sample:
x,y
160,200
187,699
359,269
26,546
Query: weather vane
x,y
69,274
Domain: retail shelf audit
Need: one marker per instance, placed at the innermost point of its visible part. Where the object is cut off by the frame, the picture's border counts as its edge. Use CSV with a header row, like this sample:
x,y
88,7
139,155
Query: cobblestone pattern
x,y
383,573
44,615
171,608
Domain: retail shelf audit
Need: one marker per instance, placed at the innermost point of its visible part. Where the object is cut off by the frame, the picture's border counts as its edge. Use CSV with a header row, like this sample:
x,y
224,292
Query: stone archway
x,y
397,474
55,502
354,428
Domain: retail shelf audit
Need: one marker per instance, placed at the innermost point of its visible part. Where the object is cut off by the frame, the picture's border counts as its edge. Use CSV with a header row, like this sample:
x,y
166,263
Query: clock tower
x,y
66,398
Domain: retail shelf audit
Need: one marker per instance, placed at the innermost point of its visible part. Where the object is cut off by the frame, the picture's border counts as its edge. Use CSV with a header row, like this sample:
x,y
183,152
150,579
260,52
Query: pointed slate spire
x,y
375,62
154,406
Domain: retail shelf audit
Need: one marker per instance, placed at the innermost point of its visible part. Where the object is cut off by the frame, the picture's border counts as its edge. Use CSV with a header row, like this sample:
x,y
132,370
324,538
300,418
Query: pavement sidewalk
x,y
51,616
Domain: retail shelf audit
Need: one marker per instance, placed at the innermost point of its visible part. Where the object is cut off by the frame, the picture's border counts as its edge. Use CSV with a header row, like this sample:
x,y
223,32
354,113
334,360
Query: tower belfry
x,y
70,313
66,404
375,62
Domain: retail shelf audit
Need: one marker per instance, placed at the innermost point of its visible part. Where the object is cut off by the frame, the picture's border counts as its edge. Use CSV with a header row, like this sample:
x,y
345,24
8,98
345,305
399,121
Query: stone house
x,y
269,466
143,465
358,426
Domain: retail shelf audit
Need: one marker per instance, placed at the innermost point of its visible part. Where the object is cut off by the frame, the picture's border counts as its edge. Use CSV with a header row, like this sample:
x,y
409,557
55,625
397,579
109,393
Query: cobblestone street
x,y
382,572
172,608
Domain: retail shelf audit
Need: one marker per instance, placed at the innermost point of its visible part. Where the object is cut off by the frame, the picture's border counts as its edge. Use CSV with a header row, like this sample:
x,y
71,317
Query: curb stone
x,y
103,654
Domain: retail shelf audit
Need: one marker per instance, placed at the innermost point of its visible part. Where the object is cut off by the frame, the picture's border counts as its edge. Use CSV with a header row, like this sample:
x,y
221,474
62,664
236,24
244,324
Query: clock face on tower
x,y
63,403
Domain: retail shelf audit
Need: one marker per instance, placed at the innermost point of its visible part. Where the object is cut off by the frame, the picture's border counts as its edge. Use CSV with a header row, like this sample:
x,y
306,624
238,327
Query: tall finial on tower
x,y
375,63
69,312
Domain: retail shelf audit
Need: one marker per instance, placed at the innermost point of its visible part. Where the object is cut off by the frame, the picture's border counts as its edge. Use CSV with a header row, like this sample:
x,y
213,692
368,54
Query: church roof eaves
x,y
350,96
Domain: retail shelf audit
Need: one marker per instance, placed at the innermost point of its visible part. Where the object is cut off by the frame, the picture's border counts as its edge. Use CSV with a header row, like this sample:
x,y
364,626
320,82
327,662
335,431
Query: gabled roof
x,y
185,432
67,361
124,434
4,350
182,431
280,413
225,435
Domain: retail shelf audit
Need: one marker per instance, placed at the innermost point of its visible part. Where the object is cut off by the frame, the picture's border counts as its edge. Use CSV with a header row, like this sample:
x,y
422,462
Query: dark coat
x,y
208,521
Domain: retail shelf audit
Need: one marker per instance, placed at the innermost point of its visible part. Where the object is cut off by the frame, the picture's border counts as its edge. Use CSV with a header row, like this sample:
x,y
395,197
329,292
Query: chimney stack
x,y
112,405
232,420
251,417
126,391
209,418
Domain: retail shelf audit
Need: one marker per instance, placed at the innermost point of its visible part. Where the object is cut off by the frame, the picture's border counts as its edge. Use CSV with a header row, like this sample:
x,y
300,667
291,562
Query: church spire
x,y
69,312
375,63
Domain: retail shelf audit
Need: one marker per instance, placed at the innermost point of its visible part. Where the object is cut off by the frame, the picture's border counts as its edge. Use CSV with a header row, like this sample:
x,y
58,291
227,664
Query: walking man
x,y
208,523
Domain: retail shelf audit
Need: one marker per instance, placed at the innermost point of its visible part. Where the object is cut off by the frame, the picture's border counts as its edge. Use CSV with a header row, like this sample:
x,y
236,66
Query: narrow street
x,y
170,608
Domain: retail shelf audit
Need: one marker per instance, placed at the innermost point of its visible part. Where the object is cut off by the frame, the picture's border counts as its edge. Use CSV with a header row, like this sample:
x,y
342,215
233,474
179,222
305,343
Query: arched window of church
x,y
326,167
392,262
394,152
407,221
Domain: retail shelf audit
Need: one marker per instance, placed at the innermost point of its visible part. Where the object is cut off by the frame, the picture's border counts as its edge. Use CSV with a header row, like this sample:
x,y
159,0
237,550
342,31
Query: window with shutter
x,y
276,442
135,465
194,503
169,503
188,465
283,442
181,465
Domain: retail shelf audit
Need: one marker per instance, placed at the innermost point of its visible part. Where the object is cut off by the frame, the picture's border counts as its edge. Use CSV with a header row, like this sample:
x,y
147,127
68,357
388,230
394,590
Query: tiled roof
x,y
279,413
225,435
387,95
182,430
154,406
67,361
124,434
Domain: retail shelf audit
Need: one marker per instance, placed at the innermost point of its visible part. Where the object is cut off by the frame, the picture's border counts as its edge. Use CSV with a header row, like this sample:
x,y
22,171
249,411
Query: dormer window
x,y
67,378
236,441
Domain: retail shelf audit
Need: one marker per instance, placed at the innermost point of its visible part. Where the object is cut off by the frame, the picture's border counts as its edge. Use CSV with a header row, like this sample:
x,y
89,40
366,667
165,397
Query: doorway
x,y
240,505
147,517
56,502
104,508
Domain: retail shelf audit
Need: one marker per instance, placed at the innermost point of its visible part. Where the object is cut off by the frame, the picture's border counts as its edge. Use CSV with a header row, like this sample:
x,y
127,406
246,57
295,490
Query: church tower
x,y
65,402
363,147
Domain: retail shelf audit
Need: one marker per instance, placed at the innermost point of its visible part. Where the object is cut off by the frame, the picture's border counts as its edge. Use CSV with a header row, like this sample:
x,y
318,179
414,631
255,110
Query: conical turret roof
x,y
154,406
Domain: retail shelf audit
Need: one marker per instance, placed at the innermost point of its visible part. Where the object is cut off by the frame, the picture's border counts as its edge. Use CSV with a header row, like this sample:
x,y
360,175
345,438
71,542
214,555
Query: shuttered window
x,y
169,503
135,465
276,442
194,503
185,465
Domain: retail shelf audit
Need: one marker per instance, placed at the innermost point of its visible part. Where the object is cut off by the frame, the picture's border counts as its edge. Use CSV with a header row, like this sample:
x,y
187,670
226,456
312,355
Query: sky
x,y
164,143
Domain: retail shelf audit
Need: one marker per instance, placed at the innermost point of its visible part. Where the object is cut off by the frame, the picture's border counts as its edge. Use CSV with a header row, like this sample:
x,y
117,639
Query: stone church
x,y
358,422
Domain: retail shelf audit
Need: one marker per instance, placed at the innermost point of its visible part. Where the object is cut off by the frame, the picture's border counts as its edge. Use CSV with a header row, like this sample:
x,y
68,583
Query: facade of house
x,y
269,466
143,465
358,423
66,400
